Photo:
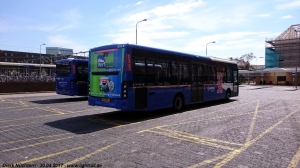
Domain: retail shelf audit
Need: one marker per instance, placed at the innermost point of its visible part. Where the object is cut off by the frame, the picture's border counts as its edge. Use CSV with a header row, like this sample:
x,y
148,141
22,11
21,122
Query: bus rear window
x,y
63,68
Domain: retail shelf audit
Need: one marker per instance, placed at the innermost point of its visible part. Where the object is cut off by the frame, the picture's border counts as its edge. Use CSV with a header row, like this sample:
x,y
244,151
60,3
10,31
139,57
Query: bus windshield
x,y
63,68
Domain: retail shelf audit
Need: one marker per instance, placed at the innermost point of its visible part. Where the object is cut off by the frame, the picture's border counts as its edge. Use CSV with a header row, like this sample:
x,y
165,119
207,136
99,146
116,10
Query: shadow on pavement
x,y
96,122
61,100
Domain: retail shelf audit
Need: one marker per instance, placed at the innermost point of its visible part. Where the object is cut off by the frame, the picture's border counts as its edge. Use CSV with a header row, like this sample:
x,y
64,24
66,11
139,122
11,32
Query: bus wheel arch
x,y
228,94
178,102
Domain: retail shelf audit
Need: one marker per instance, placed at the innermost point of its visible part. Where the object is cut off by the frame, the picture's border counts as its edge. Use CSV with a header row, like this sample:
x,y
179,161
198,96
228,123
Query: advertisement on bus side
x,y
106,73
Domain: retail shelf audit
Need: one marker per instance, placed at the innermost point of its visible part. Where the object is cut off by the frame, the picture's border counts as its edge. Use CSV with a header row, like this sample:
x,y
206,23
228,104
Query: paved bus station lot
x,y
259,128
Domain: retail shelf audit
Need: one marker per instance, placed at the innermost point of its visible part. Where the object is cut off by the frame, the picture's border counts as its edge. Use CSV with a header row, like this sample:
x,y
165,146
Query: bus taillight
x,y
73,69
128,62
124,89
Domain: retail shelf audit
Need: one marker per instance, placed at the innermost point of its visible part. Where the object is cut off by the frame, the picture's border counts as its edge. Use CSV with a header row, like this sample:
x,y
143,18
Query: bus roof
x,y
148,48
72,60
208,58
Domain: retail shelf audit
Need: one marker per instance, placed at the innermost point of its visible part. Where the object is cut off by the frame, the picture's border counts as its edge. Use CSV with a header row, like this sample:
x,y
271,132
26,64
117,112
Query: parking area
x,y
259,128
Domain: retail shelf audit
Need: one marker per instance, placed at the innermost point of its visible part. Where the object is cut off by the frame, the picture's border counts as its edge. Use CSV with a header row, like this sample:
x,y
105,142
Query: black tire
x,y
178,103
228,95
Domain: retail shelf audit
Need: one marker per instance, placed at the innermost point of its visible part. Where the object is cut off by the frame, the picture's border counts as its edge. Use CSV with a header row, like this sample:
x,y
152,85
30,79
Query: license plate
x,y
106,100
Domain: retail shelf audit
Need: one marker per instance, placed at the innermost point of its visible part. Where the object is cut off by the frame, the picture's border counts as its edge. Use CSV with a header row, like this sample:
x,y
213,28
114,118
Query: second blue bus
x,y
72,77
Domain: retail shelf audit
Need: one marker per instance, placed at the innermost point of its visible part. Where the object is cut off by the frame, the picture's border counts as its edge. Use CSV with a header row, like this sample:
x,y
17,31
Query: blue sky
x,y
238,27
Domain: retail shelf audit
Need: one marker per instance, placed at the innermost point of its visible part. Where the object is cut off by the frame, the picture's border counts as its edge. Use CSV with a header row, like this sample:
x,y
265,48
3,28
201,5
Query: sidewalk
x,y
26,94
285,88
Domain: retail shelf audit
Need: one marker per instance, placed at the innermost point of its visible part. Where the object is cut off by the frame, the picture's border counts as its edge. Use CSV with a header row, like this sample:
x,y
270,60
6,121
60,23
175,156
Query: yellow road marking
x,y
252,123
51,155
208,119
2,99
25,118
196,136
22,103
232,107
89,155
192,139
236,152
17,125
12,149
205,162
294,162
41,137
114,122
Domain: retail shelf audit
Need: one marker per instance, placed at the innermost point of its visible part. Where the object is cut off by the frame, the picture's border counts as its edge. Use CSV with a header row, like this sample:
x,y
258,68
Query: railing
x,y
28,78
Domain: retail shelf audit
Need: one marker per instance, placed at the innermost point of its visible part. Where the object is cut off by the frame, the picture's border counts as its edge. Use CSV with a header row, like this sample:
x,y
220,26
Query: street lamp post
x,y
41,59
207,44
256,61
136,29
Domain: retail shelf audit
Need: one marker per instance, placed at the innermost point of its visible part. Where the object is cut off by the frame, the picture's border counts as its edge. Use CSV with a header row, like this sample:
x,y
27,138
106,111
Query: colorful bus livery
x,y
72,77
132,77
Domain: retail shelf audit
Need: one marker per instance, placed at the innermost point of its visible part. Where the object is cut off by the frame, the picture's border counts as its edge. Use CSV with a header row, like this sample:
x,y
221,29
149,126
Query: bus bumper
x,y
114,103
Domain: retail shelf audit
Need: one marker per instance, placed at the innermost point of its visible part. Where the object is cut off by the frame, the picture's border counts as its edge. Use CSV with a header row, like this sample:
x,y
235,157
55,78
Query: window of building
x,y
26,55
12,54
5,54
32,56
31,61
5,60
12,60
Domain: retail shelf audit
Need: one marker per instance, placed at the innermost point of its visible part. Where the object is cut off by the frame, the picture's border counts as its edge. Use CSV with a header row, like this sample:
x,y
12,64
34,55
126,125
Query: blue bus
x,y
133,77
72,77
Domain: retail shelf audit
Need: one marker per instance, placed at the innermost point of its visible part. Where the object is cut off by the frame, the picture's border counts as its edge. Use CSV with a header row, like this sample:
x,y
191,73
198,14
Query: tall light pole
x,y
41,59
256,61
136,29
207,44
296,73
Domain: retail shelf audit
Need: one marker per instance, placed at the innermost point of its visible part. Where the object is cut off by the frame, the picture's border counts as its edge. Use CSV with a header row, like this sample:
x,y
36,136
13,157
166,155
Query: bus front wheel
x,y
228,95
177,103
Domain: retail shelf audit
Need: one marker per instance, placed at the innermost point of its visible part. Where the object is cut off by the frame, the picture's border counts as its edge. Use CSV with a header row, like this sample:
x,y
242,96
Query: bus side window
x,y
139,72
229,74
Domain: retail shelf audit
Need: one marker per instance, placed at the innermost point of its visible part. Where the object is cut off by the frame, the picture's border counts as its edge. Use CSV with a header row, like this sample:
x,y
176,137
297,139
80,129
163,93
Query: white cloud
x,y
138,3
294,4
62,41
263,15
286,17
70,20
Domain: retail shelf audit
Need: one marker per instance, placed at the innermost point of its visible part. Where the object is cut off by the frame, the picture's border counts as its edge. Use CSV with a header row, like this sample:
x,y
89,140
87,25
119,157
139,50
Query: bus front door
x,y
235,83
197,84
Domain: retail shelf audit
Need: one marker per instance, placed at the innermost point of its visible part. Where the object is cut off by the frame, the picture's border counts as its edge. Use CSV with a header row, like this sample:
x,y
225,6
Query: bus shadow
x,y
61,100
97,122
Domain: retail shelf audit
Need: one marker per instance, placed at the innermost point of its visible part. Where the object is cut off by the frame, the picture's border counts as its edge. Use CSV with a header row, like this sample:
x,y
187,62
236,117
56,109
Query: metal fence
x,y
27,75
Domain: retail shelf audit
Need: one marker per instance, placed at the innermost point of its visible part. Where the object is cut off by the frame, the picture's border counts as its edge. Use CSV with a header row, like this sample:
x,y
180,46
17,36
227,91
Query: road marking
x,y
204,138
51,155
236,152
2,99
18,125
205,162
191,139
113,122
208,119
22,103
88,155
25,118
294,162
12,149
252,123
41,137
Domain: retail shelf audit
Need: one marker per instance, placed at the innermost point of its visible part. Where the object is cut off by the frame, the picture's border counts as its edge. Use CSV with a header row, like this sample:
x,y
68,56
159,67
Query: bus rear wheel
x,y
177,103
